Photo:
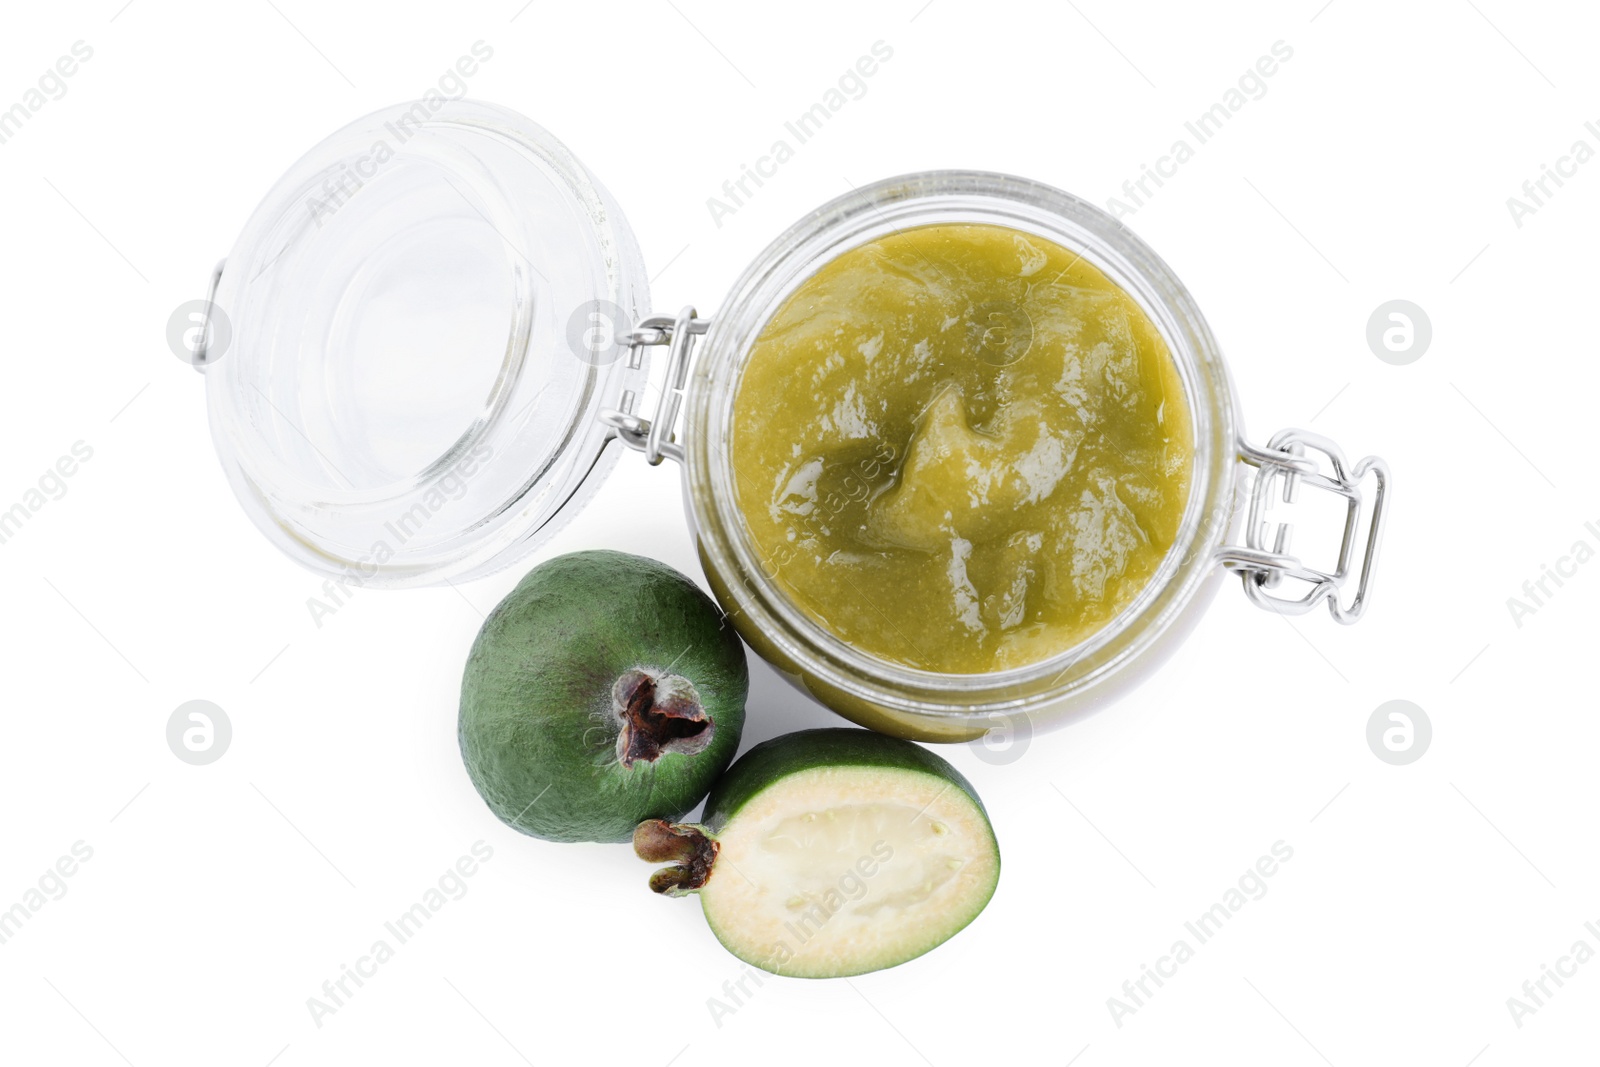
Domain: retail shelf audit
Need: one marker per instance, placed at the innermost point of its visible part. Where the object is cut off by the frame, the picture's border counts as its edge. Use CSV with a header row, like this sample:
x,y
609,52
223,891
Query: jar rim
x,y
1145,625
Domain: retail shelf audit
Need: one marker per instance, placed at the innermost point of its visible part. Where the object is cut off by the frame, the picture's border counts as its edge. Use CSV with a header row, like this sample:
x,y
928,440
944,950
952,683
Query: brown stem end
x,y
691,851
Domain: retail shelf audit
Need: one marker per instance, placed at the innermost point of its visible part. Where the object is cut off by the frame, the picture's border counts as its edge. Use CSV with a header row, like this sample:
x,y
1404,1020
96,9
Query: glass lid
x,y
426,316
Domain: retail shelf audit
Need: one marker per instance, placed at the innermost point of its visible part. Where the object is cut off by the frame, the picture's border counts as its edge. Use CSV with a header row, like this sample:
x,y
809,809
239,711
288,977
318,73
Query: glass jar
x,y
439,347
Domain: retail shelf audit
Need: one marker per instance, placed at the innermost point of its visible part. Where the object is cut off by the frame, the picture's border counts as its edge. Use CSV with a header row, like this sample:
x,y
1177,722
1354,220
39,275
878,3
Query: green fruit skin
x,y
771,761
537,731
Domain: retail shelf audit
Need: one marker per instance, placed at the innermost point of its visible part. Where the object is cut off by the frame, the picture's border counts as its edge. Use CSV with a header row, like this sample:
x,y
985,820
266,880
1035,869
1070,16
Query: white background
x,y
1377,166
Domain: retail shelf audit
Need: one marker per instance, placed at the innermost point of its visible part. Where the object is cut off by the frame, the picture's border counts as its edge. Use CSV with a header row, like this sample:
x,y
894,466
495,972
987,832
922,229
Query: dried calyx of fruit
x,y
656,714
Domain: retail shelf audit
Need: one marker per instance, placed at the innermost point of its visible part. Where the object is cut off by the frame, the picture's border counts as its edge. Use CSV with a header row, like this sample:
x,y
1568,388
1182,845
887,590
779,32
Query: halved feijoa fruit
x,y
604,689
829,853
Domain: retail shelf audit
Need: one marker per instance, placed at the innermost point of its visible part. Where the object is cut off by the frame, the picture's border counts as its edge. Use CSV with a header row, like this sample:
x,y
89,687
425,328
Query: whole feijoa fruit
x,y
605,689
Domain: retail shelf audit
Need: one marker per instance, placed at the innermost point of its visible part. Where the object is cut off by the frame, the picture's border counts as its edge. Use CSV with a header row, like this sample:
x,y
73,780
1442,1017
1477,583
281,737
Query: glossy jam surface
x,y
961,448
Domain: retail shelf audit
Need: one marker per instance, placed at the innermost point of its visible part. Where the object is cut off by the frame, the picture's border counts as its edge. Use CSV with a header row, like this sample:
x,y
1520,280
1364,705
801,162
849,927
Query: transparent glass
x,y
922,704
410,396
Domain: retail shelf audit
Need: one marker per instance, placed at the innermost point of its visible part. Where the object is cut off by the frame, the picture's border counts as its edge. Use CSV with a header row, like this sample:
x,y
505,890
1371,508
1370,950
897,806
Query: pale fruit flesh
x,y
841,870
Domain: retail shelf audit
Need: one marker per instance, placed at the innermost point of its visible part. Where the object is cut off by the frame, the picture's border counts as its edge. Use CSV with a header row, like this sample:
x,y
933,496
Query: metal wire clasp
x,y
656,436
1263,568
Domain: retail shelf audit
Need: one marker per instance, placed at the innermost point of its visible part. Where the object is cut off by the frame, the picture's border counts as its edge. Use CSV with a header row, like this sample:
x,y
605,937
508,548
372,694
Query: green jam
x,y
961,448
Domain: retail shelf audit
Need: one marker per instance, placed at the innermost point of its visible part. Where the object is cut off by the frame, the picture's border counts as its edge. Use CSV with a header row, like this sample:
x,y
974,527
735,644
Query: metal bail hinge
x,y
656,436
1264,567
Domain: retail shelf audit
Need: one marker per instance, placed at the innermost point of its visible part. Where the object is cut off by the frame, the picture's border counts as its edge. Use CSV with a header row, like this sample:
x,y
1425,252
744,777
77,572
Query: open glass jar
x,y
440,344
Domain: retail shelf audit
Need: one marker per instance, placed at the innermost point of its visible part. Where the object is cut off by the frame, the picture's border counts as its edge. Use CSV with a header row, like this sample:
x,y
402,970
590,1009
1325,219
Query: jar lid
x,y
427,313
